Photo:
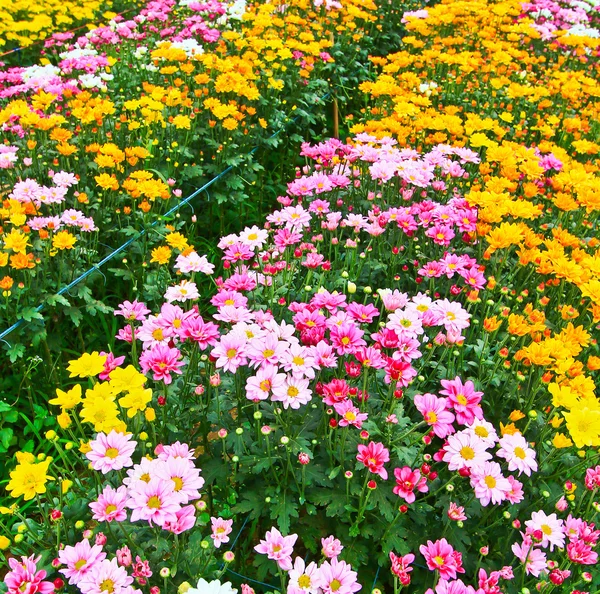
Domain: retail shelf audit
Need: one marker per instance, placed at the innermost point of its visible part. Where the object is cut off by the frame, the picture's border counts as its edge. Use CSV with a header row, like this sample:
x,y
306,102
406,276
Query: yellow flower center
x,y
293,391
430,417
178,483
304,581
158,334
481,431
490,481
110,508
461,399
298,360
145,478
467,453
79,564
438,560
335,585
546,529
107,586
177,323
350,416
265,385
253,237
231,353
520,453
229,302
268,353
450,316
345,340
112,453
154,502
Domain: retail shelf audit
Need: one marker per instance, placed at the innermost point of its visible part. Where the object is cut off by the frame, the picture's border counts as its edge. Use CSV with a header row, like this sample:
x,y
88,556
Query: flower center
x,y
158,334
481,431
177,322
231,353
178,483
345,340
430,417
292,391
304,581
461,399
111,453
467,452
107,586
110,508
335,585
268,353
450,316
79,564
145,477
490,481
298,361
154,502
520,453
265,385
350,416
438,560
546,529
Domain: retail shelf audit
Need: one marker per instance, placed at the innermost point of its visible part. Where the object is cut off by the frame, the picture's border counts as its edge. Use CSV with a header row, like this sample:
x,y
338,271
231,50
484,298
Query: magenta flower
x,y
162,360
184,520
374,456
582,553
111,452
278,548
24,577
456,512
110,505
401,566
132,311
331,547
155,501
435,414
407,481
592,478
464,399
440,556
346,338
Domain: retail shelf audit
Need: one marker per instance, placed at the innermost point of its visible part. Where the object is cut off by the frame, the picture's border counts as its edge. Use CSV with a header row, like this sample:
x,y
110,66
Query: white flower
x,y
214,587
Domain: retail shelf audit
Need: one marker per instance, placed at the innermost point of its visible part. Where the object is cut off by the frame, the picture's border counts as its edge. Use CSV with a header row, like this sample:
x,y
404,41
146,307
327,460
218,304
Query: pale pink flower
x,y
278,548
516,451
184,475
184,291
261,385
220,530
456,512
331,547
230,352
534,559
303,579
185,519
515,495
435,414
293,392
337,577
489,483
551,527
465,450
155,501
79,559
110,505
111,452
102,574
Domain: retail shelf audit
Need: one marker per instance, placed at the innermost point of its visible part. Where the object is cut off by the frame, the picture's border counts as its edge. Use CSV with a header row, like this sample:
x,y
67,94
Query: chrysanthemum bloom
x,y
484,431
79,559
435,414
516,451
489,483
278,548
132,310
374,456
401,566
337,577
551,527
184,291
515,495
349,414
464,399
582,553
24,577
214,587
304,579
407,481
162,361
456,512
220,530
29,479
331,547
292,393
261,385
184,475
230,352
592,478
346,338
465,450
110,505
111,452
105,576
185,519
439,556
155,501
533,558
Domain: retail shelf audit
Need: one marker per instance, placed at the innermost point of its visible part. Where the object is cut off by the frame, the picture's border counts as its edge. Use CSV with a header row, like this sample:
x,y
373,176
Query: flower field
x,y
301,297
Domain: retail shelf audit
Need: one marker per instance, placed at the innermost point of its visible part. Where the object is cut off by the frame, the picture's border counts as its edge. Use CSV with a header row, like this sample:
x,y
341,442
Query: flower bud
x,y
165,572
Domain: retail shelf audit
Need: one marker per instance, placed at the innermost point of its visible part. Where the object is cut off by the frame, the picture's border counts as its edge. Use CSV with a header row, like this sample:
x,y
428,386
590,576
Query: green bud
x,y
239,431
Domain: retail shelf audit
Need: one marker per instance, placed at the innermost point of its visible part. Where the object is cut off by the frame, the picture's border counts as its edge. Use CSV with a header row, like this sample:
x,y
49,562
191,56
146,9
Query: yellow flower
x,y
563,396
16,241
64,420
88,365
177,240
129,378
584,426
182,121
29,479
561,441
509,429
63,240
65,485
85,447
4,543
150,414
102,414
161,254
69,399
136,400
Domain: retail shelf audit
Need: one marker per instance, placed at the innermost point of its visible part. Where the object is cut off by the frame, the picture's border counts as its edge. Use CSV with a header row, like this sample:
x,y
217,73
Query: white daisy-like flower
x,y
214,587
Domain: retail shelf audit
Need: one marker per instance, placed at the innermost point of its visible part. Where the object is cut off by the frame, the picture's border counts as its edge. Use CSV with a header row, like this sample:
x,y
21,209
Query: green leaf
x,y
16,351
282,512
30,313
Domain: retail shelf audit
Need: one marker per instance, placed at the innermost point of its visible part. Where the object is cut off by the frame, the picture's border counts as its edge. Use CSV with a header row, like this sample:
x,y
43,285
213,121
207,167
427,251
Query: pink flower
x,y
184,520
184,475
401,566
489,483
293,392
124,557
132,310
220,529
155,501
465,450
141,568
463,399
337,577
331,547
515,495
303,578
440,556
407,481
278,548
533,559
102,574
24,578
346,338
110,505
435,414
350,414
582,553
111,452
79,559
592,478
551,527
162,361
456,513
230,352
516,451
374,456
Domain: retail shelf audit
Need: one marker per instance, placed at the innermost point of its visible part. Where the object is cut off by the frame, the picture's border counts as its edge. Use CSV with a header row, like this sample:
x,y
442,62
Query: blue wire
x,y
96,267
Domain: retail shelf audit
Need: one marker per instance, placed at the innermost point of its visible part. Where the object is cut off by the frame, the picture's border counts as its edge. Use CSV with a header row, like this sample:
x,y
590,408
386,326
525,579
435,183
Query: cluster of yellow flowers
x,y
468,75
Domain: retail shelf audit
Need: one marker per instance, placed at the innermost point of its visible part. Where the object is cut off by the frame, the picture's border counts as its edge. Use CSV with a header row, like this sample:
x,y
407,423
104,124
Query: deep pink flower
x,y
374,456
185,519
162,360
407,481
24,577
582,553
439,556
464,399
435,414
592,478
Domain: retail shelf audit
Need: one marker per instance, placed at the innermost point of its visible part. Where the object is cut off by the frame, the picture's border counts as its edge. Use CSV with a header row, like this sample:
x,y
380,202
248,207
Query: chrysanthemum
x,y
79,560
110,505
337,577
155,501
465,450
489,483
435,414
104,577
551,527
516,451
111,452
184,475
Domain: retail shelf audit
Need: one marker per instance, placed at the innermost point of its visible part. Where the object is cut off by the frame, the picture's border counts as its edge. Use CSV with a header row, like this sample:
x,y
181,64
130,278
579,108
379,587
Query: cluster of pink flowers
x,y
545,532
332,576
550,16
24,576
157,490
